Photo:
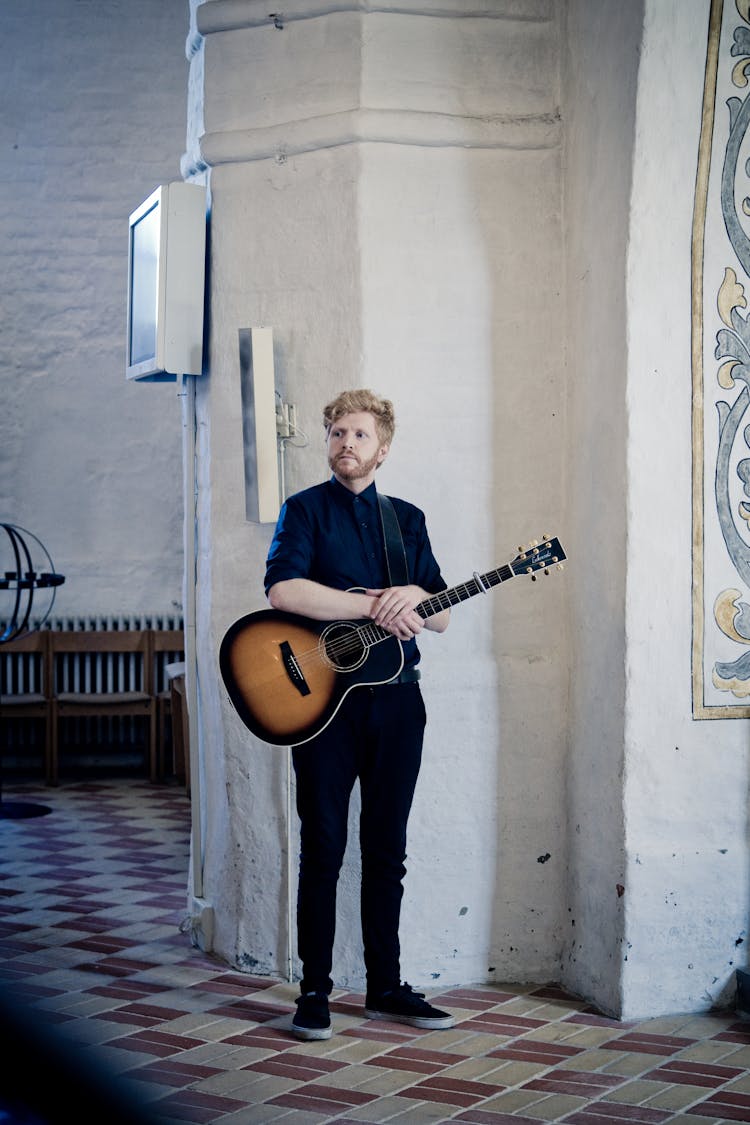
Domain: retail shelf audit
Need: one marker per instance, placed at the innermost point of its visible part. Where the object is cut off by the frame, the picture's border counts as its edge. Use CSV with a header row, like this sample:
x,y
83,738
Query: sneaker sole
x,y
413,1021
312,1032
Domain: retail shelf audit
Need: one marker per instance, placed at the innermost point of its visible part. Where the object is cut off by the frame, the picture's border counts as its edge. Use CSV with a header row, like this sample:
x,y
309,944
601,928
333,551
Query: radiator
x,y
90,674
120,738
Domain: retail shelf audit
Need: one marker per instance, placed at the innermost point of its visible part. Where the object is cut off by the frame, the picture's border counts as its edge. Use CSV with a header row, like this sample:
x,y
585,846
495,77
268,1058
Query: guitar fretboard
x,y
479,584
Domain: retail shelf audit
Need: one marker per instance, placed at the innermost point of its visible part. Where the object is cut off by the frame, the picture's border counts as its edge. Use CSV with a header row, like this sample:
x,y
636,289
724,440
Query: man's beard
x,y
353,471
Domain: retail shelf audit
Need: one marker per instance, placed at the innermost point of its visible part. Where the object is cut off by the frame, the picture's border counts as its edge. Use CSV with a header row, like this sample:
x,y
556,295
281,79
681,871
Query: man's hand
x,y
394,610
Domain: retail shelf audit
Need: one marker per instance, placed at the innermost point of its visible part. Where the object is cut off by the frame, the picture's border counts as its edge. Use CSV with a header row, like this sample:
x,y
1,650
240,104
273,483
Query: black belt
x,y
408,676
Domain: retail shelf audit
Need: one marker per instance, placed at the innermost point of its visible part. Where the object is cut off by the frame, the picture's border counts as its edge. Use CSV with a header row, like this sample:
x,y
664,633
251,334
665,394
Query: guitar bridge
x,y
293,670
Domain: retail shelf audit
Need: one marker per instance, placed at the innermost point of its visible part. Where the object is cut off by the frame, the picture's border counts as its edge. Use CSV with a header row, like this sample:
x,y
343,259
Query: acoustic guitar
x,y
287,675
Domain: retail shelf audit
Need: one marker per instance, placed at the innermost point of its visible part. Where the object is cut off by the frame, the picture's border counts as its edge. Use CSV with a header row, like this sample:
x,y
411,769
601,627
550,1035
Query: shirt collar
x,y
368,497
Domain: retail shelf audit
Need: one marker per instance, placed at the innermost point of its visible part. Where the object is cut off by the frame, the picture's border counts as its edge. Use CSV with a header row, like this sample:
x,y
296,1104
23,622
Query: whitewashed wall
x,y
93,118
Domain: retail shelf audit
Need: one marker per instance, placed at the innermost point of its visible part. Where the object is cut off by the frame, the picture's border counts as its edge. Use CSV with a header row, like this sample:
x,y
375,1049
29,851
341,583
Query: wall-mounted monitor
x,y
166,280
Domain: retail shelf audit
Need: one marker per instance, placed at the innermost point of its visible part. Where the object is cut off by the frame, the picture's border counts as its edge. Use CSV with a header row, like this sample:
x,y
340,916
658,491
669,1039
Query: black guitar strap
x,y
395,555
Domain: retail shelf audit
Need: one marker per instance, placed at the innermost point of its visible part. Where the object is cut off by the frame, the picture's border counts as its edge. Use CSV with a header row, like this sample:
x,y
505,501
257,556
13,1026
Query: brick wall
x,y
94,117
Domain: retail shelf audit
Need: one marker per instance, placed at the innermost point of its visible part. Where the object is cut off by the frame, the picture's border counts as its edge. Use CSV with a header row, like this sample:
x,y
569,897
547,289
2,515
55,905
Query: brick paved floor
x,y
110,1015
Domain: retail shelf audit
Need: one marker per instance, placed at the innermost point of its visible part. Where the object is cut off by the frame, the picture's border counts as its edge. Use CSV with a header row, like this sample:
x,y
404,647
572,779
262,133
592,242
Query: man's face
x,y
354,449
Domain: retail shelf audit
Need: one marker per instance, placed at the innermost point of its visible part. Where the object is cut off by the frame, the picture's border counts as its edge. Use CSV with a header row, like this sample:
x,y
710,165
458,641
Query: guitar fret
x,y
372,634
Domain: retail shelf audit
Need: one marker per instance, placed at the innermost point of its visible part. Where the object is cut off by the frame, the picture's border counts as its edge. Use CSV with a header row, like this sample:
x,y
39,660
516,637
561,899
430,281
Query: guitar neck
x,y
479,584
536,557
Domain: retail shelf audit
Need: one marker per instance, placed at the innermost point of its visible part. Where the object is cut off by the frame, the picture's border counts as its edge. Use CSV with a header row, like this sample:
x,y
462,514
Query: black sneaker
x,y
313,1020
402,1005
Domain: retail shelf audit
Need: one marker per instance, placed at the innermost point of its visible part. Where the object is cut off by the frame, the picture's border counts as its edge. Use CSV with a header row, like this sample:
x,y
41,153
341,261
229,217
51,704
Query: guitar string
x,y
444,599
350,642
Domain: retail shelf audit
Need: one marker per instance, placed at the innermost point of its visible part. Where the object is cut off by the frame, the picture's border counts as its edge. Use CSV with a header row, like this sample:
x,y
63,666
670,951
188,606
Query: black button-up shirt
x,y
333,536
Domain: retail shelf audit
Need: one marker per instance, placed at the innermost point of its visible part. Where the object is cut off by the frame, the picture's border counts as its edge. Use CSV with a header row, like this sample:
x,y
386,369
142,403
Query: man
x,y
330,539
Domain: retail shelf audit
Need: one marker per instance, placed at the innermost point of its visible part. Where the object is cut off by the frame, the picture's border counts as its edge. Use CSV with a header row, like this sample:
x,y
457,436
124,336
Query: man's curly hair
x,y
361,401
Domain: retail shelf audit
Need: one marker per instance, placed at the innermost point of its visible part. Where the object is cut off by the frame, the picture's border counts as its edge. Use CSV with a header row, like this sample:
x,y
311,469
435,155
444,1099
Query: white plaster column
x,y
384,187
600,83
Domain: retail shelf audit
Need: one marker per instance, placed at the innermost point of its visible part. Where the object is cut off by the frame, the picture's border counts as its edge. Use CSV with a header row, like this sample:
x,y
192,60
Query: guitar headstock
x,y
539,555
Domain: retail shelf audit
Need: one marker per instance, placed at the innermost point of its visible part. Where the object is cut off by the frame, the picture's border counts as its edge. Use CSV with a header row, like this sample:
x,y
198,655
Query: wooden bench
x,y
91,674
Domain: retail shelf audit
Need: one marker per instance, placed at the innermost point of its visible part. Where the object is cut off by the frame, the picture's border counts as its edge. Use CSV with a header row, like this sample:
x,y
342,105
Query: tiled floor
x,y
112,1016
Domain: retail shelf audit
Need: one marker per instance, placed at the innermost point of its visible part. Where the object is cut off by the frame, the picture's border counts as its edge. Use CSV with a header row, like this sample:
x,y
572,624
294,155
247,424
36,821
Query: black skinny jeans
x,y
376,736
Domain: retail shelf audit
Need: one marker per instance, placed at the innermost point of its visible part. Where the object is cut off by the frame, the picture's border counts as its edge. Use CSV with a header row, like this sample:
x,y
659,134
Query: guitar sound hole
x,y
342,647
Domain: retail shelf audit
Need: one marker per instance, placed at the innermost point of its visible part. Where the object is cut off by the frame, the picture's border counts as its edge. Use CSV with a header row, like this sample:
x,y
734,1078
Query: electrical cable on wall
x,y
287,432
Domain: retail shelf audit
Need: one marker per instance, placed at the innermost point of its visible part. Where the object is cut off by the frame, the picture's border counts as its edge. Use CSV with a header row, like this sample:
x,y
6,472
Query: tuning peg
x,y
534,543
545,536
533,578
560,566
546,570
